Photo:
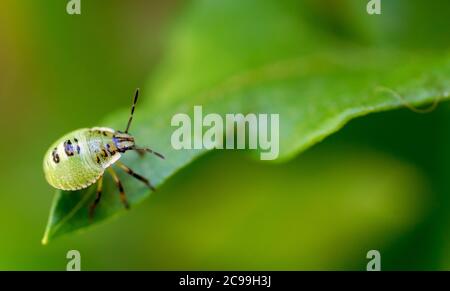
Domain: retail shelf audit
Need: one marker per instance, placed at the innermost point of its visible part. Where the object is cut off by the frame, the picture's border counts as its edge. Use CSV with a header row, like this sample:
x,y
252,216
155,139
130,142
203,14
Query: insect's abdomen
x,y
79,158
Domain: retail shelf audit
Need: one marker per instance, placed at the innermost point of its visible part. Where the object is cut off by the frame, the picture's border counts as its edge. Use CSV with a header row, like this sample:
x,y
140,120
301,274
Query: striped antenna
x,y
136,95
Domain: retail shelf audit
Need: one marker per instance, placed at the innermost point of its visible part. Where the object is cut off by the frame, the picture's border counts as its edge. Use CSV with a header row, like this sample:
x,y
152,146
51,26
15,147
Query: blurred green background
x,y
380,183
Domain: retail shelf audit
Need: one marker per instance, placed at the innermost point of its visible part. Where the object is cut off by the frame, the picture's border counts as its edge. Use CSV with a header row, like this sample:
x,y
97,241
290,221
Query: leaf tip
x,y
44,240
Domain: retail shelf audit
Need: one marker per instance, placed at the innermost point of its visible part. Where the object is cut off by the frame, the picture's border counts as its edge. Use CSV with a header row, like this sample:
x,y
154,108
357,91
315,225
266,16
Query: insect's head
x,y
123,141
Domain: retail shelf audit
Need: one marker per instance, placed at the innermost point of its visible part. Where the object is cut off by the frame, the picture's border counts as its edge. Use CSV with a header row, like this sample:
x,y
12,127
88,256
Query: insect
x,y
80,158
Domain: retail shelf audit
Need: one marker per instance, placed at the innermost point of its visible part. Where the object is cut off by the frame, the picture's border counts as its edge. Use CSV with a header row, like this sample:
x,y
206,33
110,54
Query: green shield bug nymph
x,y
80,158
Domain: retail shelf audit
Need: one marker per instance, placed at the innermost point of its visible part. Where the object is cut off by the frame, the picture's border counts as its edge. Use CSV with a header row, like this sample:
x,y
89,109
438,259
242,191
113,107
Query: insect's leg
x,y
142,151
123,197
137,176
98,196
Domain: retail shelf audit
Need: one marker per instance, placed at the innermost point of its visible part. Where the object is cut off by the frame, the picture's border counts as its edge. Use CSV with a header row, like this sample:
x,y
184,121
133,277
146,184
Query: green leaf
x,y
269,57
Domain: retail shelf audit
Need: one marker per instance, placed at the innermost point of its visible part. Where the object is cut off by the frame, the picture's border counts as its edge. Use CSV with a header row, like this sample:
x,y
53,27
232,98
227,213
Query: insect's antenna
x,y
136,95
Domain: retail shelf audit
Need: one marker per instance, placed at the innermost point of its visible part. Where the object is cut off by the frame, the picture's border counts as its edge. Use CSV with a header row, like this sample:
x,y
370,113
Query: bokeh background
x,y
380,183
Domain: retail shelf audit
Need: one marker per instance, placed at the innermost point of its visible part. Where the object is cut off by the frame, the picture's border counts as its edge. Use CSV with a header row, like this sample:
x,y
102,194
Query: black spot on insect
x,y
98,160
104,133
55,155
78,146
104,153
68,148
110,150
